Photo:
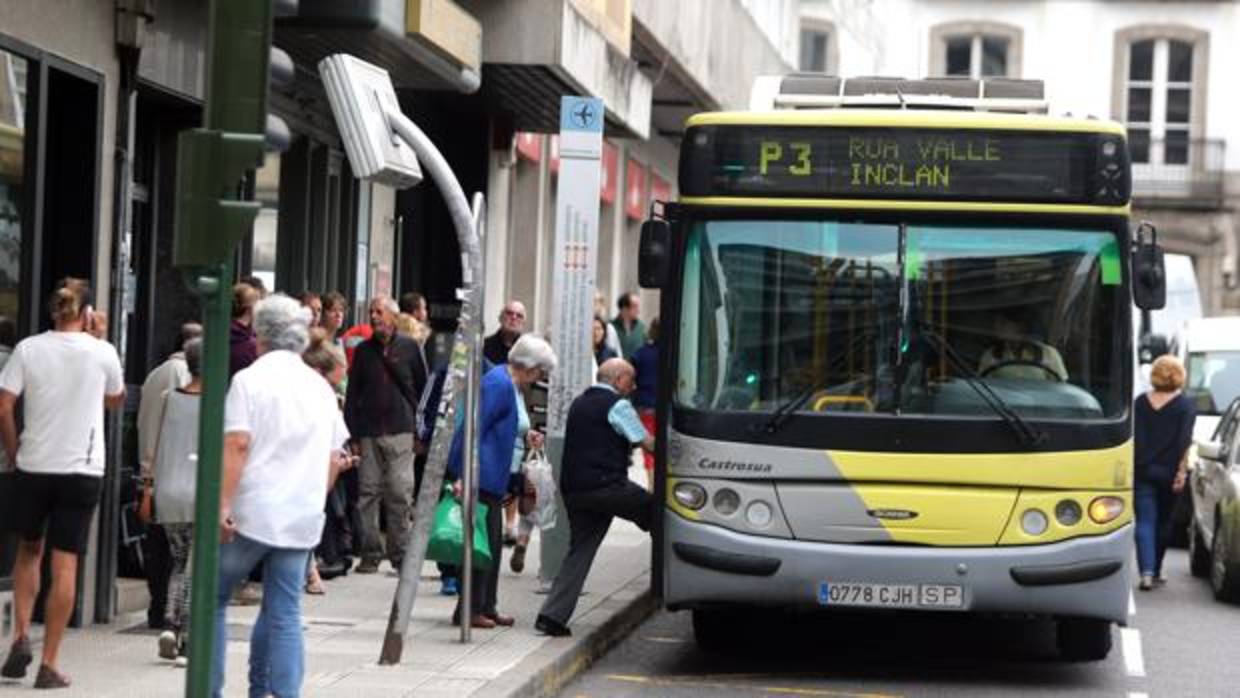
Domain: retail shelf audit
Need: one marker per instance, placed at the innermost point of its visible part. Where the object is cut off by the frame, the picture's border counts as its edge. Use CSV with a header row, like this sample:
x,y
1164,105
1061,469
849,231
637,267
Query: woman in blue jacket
x,y
501,419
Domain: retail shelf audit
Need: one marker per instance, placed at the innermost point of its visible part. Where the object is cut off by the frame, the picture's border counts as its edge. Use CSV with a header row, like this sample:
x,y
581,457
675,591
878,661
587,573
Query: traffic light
x,y
210,218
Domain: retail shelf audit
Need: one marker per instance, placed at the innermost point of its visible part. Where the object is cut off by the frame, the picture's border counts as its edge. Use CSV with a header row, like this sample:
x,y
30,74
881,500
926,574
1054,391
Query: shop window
x,y
12,190
266,224
975,50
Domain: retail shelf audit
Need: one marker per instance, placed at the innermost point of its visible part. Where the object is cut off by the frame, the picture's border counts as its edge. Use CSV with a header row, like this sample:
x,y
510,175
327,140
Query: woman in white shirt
x,y
66,378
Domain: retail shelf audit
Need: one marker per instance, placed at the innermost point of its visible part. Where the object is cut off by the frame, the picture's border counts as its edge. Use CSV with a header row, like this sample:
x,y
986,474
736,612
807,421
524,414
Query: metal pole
x,y
217,315
464,350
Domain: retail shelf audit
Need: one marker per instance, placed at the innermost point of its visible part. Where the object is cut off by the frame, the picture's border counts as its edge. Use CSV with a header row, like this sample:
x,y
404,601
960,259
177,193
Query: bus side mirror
x,y
654,253
1149,279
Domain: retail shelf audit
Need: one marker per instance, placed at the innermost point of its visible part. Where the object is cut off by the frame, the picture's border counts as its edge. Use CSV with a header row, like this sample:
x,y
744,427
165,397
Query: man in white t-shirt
x,y
283,447
66,377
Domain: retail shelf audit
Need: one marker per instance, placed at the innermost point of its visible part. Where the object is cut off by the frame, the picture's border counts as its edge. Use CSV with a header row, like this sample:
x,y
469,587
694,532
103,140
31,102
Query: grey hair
x,y
193,356
532,352
612,369
387,303
282,323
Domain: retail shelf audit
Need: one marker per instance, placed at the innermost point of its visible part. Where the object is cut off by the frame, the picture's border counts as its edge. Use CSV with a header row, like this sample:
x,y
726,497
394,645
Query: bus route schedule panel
x,y
905,163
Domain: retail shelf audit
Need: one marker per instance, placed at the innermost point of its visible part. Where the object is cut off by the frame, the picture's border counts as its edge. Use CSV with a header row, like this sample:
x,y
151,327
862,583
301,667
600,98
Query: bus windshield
x,y
826,316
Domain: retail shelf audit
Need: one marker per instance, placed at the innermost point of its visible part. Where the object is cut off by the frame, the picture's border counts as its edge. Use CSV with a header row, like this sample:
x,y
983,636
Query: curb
x,y
555,665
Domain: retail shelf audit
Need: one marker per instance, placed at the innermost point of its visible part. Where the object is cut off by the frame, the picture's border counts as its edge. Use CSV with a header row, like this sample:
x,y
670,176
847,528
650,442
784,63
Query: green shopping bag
x,y
447,541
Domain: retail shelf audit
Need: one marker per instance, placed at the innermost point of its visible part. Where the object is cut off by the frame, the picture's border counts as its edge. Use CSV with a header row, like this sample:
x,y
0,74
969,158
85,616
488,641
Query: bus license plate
x,y
891,595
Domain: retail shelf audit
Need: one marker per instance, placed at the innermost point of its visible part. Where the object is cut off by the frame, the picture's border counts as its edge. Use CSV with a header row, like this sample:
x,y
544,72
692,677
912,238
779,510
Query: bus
x,y
897,349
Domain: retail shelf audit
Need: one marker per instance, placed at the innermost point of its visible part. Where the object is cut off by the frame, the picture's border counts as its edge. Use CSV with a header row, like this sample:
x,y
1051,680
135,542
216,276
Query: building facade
x,y
1158,67
93,94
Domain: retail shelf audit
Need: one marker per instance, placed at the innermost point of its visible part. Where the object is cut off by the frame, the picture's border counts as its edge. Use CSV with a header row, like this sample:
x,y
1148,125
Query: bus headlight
x,y
759,514
727,501
1033,522
1105,509
690,495
1068,512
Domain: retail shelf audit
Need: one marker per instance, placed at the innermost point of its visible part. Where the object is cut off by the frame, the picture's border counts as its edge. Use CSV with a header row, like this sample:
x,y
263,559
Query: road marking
x,y
1138,695
1130,639
1132,604
691,682
665,640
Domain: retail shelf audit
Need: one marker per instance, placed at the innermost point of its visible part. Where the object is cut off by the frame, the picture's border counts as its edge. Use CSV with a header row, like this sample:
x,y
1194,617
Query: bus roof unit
x,y
821,91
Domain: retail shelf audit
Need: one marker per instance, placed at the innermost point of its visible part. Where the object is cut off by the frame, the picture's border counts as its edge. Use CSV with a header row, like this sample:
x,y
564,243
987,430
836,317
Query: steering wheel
x,y
1021,362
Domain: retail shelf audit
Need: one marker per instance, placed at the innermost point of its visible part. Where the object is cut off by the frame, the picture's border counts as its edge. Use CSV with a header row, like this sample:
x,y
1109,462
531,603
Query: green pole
x,y
215,288
211,220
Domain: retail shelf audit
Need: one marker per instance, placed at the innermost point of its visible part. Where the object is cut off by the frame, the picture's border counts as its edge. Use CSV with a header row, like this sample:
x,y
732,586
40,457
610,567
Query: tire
x,y
713,630
1224,573
1198,554
1083,639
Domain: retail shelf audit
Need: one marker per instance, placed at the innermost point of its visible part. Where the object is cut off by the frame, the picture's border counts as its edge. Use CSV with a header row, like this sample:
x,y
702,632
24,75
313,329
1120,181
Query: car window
x,y
1227,422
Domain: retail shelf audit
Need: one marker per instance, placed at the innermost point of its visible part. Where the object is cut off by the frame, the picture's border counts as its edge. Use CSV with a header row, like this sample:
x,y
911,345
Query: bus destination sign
x,y
905,163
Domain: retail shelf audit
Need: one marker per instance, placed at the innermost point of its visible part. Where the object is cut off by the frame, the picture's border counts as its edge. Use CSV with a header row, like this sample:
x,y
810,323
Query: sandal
x,y
314,587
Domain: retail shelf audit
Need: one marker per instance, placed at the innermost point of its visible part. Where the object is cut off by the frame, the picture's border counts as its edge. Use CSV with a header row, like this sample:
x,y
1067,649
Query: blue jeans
x,y
1152,502
277,660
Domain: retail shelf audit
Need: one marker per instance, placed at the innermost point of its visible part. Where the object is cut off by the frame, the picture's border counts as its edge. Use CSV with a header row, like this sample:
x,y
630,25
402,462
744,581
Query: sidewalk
x,y
344,632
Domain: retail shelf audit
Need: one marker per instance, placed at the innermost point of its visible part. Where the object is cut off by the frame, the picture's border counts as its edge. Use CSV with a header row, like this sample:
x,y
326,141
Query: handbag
x,y
447,542
146,500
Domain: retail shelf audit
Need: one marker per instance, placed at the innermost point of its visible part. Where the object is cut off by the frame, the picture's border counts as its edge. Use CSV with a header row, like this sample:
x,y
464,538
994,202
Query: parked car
x,y
1214,534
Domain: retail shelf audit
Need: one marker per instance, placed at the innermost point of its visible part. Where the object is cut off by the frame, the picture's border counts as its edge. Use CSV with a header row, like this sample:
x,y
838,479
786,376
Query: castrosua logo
x,y
892,514
707,463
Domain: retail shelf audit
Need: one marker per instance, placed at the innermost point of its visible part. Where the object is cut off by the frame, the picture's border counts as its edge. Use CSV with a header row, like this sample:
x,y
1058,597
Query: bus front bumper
x,y
1088,577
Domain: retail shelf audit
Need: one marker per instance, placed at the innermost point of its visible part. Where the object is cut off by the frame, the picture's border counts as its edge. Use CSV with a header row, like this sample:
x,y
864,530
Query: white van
x,y
1183,305
1210,350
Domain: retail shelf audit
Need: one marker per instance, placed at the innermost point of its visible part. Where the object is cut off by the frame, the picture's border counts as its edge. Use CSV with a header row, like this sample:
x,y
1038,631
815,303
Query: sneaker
x,y
1160,581
248,594
517,561
168,645
450,587
50,678
1147,583
181,661
19,658
367,566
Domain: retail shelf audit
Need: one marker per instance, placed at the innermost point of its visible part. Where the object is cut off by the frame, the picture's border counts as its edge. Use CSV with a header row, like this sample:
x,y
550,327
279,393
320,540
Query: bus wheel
x,y
1198,553
1083,639
714,629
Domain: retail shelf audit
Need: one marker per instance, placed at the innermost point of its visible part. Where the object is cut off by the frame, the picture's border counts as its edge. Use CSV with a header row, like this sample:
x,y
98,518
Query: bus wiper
x,y
781,413
1030,436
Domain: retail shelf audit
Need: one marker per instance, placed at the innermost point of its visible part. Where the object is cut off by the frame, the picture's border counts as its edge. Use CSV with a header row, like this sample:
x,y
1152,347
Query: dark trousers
x,y
157,558
589,517
484,595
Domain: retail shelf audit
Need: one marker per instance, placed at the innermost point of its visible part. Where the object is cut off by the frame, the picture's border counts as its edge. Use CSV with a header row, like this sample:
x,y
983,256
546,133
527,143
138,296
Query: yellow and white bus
x,y
897,357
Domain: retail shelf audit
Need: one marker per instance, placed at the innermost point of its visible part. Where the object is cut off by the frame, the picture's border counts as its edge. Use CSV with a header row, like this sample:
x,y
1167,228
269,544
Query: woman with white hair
x,y
283,439
501,419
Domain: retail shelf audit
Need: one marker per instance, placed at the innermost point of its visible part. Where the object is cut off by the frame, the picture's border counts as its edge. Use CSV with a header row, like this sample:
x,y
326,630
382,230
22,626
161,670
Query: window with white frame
x,y
1159,100
975,50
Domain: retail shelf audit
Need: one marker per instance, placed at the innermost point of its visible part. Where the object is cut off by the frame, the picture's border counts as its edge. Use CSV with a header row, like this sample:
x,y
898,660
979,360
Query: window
x,y
266,224
975,50
1159,93
819,54
814,50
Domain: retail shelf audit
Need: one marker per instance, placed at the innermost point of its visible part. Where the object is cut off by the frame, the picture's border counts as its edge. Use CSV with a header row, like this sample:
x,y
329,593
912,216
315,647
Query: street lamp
x,y
384,146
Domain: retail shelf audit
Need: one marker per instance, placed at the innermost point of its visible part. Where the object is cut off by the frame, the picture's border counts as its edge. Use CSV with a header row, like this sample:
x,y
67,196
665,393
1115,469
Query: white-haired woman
x,y
283,438
500,422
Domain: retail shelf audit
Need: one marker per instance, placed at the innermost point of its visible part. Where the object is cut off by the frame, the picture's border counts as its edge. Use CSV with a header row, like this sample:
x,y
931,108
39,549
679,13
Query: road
x,y
1180,642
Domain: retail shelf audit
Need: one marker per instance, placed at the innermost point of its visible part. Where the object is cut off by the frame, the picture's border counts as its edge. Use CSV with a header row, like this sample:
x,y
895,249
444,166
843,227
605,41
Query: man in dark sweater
x,y
602,430
386,381
511,325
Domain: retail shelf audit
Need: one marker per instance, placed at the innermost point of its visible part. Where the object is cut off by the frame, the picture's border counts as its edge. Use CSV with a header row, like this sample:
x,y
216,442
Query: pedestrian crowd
x,y
326,431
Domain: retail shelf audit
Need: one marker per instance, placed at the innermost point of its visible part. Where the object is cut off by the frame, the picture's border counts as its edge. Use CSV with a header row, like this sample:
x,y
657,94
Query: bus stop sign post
x,y
384,145
572,295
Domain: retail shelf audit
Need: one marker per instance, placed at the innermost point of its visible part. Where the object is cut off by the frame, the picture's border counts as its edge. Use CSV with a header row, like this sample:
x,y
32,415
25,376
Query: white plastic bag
x,y
538,473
